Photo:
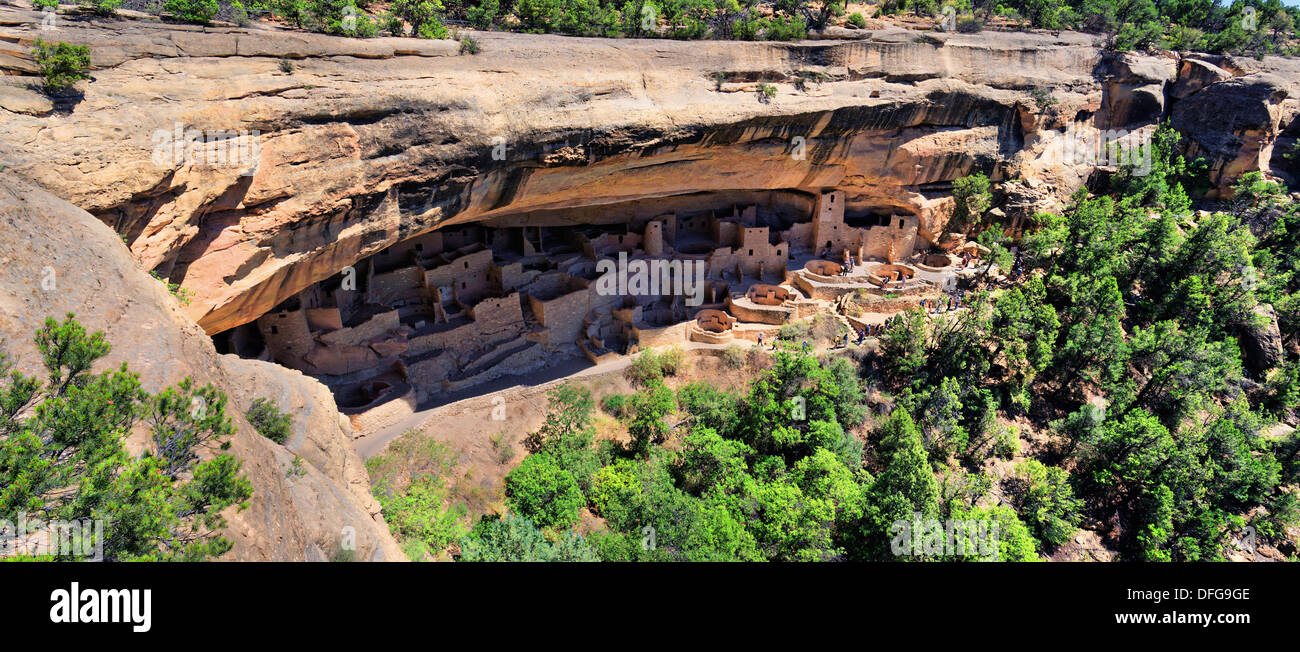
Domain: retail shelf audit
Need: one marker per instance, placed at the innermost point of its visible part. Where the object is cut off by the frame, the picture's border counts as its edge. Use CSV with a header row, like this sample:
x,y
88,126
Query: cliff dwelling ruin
x,y
462,305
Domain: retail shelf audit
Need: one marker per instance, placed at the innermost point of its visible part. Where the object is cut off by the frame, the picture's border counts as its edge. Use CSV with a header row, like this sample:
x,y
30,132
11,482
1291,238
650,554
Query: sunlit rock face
x,y
367,143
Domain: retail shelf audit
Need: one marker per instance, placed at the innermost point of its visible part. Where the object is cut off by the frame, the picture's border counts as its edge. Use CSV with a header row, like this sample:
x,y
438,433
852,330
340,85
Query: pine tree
x,y
63,453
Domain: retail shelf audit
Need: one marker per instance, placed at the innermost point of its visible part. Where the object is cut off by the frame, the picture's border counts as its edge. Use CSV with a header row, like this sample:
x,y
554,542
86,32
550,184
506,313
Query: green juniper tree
x,y
63,452
61,64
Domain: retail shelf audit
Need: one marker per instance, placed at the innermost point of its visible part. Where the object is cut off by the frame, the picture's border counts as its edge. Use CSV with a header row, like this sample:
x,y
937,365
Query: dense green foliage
x,y
1046,500
63,454
514,538
680,19
1152,302
1252,27
270,422
101,7
772,474
651,365
61,64
542,490
410,481
192,11
972,199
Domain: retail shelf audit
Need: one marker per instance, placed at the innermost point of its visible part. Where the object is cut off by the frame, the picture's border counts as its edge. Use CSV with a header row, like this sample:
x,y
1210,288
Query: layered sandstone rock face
x,y
365,143
59,259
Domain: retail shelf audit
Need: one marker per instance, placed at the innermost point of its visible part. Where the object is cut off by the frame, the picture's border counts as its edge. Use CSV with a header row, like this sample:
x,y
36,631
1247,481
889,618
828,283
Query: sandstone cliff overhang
x,y
369,142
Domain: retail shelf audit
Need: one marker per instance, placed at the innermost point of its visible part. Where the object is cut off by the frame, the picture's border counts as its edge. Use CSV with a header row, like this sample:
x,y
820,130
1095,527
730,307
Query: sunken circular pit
x,y
824,267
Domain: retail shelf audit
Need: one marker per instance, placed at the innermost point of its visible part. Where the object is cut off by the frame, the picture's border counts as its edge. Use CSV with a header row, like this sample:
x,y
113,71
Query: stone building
x,y
449,308
884,238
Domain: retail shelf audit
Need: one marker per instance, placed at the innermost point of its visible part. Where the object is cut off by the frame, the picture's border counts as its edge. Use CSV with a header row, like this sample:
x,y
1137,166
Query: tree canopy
x,y
63,453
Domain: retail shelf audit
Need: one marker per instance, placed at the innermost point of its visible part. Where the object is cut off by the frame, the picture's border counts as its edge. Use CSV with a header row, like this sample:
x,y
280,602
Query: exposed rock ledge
x,y
370,142
290,518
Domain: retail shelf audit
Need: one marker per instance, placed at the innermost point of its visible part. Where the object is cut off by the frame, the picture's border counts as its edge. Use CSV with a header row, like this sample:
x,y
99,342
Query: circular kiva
x,y
893,273
823,267
715,321
936,260
768,295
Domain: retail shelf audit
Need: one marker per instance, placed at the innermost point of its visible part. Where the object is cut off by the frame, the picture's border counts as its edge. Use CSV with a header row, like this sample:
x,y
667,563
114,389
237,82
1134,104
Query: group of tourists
x,y
860,335
935,306
775,341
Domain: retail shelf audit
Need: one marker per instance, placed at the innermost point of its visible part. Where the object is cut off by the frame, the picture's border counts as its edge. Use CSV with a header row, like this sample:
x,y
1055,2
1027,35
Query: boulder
x,y
1234,124
1195,74
1134,88
1261,341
